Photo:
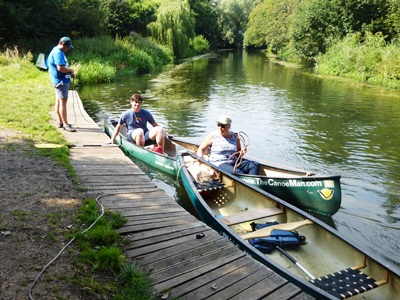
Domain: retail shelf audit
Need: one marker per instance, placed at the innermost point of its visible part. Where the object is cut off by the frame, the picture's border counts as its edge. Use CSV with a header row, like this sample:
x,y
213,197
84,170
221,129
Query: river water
x,y
293,118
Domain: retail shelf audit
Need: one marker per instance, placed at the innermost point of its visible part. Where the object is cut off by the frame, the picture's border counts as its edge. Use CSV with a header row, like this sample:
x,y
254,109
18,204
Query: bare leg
x,y
138,137
57,110
158,134
63,110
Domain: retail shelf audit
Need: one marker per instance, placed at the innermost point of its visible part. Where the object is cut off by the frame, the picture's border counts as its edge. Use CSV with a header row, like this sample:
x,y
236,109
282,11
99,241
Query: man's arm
x,y
64,69
201,151
115,133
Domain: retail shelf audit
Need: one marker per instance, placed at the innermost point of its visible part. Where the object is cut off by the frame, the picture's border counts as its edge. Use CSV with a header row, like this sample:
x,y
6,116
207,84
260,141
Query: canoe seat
x,y
251,215
347,283
208,185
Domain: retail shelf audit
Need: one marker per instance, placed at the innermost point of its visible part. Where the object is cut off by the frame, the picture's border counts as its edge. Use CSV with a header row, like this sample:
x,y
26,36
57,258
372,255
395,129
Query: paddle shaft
x,y
265,232
73,145
295,262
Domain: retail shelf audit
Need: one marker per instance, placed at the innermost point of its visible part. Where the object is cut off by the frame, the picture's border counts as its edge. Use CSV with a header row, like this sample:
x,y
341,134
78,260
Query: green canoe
x,y
166,162
320,194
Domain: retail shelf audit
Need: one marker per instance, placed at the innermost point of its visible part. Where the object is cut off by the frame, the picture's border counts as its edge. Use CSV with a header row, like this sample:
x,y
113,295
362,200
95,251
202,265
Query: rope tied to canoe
x,y
244,143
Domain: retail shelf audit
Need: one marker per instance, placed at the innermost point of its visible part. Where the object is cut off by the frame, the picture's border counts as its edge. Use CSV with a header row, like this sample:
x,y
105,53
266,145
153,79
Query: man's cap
x,y
67,41
224,120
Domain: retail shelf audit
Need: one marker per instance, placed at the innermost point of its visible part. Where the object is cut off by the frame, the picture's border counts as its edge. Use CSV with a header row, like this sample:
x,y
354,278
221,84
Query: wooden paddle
x,y
51,146
265,232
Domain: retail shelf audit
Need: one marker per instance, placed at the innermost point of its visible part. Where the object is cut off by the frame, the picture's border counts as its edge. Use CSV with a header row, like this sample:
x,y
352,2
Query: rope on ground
x,y
65,247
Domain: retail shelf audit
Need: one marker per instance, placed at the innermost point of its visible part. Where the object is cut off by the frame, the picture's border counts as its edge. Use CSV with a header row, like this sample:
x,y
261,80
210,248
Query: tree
x,y
174,26
86,17
118,18
26,19
206,17
320,23
143,13
270,23
233,16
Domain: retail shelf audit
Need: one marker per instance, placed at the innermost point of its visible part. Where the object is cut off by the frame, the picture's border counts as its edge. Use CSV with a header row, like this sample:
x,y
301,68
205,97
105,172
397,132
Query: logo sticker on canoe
x,y
326,194
329,183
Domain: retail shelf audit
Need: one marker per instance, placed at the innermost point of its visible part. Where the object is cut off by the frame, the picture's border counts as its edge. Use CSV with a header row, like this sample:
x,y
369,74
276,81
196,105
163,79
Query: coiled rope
x,y
244,141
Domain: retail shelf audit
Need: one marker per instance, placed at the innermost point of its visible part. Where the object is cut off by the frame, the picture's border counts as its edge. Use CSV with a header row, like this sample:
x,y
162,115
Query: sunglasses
x,y
221,125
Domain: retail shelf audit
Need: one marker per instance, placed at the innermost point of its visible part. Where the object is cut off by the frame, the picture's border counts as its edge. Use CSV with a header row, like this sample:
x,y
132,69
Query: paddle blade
x,y
265,232
49,146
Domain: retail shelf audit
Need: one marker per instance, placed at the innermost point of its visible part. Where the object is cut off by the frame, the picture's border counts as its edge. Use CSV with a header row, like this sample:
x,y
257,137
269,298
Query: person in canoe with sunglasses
x,y
226,150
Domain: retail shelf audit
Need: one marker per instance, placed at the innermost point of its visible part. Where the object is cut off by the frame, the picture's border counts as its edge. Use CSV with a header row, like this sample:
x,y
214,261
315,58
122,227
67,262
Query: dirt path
x,y
38,205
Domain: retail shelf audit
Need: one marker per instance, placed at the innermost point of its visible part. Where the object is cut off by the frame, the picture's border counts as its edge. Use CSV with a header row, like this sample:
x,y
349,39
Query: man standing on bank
x,y
60,75
136,120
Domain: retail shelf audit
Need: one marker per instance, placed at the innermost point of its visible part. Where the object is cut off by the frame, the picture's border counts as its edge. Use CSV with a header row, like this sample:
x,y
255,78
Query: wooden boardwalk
x,y
162,234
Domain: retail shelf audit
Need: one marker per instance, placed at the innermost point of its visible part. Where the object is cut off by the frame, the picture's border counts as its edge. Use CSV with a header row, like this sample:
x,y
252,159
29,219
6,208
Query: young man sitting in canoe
x,y
136,120
226,150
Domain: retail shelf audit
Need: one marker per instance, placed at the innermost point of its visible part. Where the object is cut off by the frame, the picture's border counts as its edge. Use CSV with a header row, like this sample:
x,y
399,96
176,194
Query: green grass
x,y
100,252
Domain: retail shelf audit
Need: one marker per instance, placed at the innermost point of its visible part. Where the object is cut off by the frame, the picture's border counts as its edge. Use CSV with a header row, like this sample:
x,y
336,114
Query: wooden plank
x,y
104,165
111,190
201,280
185,247
160,238
216,280
150,210
245,283
159,218
152,226
130,204
288,291
181,265
88,159
251,215
101,178
132,183
302,296
173,257
154,195
263,287
156,232
114,190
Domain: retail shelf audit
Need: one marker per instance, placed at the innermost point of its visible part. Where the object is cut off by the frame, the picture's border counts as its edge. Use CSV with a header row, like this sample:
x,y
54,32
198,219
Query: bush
x,y
364,58
200,45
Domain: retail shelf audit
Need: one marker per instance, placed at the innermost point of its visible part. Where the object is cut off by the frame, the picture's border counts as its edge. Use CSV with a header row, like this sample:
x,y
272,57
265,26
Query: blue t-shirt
x,y
58,58
134,120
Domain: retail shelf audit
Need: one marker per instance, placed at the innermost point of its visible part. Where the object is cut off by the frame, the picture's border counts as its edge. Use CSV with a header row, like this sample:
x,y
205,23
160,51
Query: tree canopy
x,y
303,28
